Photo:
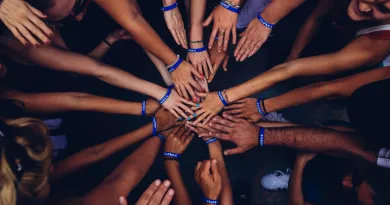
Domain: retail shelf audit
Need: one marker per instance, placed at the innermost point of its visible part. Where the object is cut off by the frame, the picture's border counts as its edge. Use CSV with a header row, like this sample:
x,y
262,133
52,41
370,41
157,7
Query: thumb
x,y
225,63
215,170
196,72
202,95
208,20
233,151
122,200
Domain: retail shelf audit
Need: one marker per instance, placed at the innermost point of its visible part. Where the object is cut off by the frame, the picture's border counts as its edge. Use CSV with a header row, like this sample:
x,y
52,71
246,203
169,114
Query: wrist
x,y
210,196
168,2
111,39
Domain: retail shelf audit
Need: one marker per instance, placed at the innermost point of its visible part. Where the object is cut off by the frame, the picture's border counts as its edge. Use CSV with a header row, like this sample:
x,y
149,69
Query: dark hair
x,y
10,108
41,5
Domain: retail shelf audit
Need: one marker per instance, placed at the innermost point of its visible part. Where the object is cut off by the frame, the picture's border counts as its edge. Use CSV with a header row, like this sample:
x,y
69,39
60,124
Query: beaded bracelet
x,y
196,50
170,7
261,111
166,96
154,123
209,201
171,155
175,66
222,98
261,137
264,22
229,7
214,139
143,110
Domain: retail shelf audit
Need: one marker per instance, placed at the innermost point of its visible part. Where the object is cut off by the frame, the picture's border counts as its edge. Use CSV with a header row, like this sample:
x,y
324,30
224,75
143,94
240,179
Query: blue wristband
x,y
161,136
143,110
166,96
214,139
175,66
264,22
261,111
170,7
171,155
261,137
228,7
197,50
222,98
209,201
154,122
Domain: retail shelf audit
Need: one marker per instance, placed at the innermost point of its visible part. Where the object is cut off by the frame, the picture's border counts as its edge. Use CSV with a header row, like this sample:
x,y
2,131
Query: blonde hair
x,y
32,135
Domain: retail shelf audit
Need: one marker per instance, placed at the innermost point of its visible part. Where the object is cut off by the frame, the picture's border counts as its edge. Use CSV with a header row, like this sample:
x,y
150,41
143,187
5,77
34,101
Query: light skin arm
x,y
363,51
310,28
342,87
295,195
126,176
226,196
46,103
173,171
106,44
161,68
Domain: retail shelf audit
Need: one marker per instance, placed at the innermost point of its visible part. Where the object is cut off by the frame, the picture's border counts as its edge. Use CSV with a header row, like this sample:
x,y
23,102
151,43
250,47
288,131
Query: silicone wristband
x,y
161,136
175,66
261,111
170,7
166,96
264,22
197,50
229,7
214,139
143,111
209,201
222,98
171,155
261,137
154,122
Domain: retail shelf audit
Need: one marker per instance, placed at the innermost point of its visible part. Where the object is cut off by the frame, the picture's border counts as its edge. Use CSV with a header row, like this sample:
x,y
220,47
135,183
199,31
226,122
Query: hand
x,y
178,140
201,129
201,61
241,132
207,109
245,108
117,35
23,20
176,26
216,60
165,120
152,107
224,22
251,40
176,104
156,194
208,178
184,81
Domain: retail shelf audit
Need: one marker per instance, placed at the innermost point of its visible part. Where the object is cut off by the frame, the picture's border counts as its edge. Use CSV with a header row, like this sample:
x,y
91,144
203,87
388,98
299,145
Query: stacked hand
x,y
201,61
175,25
208,178
165,120
217,58
251,40
178,105
245,108
185,82
178,139
152,107
24,22
201,129
211,106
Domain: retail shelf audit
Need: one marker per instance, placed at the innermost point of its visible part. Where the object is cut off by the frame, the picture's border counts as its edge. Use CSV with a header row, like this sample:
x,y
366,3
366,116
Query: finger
x,y
184,92
223,122
256,48
202,95
225,63
180,112
197,114
200,117
148,193
232,151
226,40
212,37
240,44
205,69
181,131
122,200
185,108
199,68
180,35
168,197
196,73
191,91
209,65
17,35
159,194
175,131
178,90
197,168
234,112
205,169
175,36
28,35
234,34
220,41
231,118
36,11
247,51
37,32
183,40
196,85
40,24
215,170
244,48
207,119
219,127
221,136
188,102
174,113
185,37
192,128
208,20
235,105
188,138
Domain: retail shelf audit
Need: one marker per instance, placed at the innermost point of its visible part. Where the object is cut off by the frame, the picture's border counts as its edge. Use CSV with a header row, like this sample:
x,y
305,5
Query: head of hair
x,y
41,5
33,185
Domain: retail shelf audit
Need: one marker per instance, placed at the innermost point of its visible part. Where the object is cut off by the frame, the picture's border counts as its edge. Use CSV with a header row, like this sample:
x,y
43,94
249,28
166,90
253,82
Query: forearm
x,y
100,50
127,14
319,140
295,195
226,196
47,103
161,68
197,12
304,36
278,9
127,175
99,152
342,87
181,193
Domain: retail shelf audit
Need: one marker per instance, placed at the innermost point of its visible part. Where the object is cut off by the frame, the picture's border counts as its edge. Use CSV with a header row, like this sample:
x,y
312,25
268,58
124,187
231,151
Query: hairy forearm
x,y
319,140
278,9
127,14
295,195
343,87
181,193
99,152
226,196
197,11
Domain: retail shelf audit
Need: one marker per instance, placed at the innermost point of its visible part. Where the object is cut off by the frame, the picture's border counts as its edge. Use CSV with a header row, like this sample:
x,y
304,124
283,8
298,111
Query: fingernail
x,y
171,192
51,35
210,124
121,200
197,105
194,114
157,182
26,45
225,153
180,119
48,43
214,161
167,183
188,118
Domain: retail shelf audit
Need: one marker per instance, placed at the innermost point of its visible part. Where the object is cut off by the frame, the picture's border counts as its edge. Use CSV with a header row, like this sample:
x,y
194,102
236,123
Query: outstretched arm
x,y
126,176
45,103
